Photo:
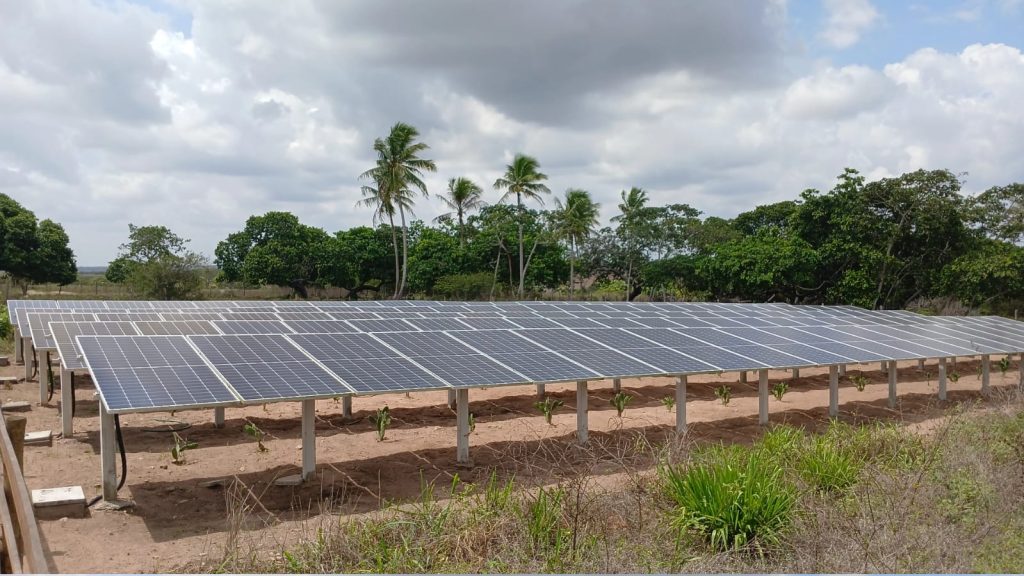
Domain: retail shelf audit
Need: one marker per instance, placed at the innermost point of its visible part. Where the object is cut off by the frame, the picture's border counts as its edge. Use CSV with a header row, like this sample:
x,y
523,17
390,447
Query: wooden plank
x,y
14,481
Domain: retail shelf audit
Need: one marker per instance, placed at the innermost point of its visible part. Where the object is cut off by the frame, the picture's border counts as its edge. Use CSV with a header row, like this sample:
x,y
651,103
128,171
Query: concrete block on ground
x,y
15,406
8,381
56,503
293,480
40,438
5,361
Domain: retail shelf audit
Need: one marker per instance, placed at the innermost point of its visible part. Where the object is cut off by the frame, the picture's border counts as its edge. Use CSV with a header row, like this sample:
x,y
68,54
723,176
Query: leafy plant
x,y
472,423
548,407
179,448
1004,365
381,420
731,501
860,382
254,431
779,390
724,393
954,376
828,466
620,400
669,402
544,519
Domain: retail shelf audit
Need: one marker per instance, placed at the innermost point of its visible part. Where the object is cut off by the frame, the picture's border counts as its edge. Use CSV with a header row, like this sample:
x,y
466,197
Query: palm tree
x,y
377,197
523,180
575,220
400,170
633,203
463,196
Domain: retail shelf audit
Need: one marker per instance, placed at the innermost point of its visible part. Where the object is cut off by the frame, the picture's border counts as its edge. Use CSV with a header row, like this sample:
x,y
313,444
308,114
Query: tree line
x,y
33,251
881,244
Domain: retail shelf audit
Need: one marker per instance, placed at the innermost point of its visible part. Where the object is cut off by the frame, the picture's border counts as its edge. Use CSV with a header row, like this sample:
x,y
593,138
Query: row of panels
x,y
148,373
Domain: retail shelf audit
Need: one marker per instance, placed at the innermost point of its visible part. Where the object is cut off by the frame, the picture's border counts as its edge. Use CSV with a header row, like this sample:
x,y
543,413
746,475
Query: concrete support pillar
x,y
920,364
19,347
308,439
796,373
892,384
218,417
884,366
346,407
833,391
616,385
681,405
67,400
26,351
842,369
462,425
452,400
108,454
1020,369
762,396
986,370
540,391
582,431
743,377
942,378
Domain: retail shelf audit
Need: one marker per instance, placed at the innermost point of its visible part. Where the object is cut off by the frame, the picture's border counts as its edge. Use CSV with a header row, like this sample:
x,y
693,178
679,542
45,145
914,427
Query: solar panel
x,y
384,325
65,333
438,324
175,328
190,316
128,317
320,326
593,355
304,316
525,357
366,364
265,316
268,367
39,327
488,323
147,373
450,359
251,327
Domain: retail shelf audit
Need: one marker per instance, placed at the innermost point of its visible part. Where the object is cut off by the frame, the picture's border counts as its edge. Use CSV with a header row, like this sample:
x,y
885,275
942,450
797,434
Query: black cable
x,y
72,394
124,459
49,377
35,363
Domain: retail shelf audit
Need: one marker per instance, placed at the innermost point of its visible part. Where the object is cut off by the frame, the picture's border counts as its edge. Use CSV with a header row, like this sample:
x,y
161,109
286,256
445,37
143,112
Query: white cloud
x,y
847,21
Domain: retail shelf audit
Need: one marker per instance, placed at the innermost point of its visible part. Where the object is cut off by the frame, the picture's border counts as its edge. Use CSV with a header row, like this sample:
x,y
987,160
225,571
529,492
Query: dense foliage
x,y
156,263
33,251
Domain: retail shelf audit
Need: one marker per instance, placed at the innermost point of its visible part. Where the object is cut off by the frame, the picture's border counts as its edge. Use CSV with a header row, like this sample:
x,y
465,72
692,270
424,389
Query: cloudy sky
x,y
196,115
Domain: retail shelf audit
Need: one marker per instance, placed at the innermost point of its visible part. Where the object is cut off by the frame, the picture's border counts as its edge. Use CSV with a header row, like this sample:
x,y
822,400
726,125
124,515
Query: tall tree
x,y
33,252
574,220
463,196
399,171
377,197
630,210
156,263
523,180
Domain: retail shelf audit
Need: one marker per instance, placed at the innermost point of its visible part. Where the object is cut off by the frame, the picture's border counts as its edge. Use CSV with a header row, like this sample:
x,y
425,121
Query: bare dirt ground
x,y
176,520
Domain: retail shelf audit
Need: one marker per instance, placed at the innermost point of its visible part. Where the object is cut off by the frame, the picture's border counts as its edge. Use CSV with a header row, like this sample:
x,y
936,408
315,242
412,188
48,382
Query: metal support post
x,y
108,454
986,369
67,400
346,407
942,378
462,425
616,385
681,405
308,439
833,391
582,433
892,384
218,417
762,394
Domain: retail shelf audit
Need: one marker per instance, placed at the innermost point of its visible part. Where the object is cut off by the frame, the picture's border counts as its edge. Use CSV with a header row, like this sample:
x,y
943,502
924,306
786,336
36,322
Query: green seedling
x,y
1004,365
723,393
954,376
548,407
620,400
472,423
254,432
861,382
381,420
779,390
179,448
668,402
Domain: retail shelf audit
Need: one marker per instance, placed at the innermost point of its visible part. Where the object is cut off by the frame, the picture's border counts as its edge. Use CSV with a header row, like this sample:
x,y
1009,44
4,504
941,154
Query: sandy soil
x,y
176,520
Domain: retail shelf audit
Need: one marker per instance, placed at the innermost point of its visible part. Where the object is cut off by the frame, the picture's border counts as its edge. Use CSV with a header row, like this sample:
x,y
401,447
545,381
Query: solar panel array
x,y
268,351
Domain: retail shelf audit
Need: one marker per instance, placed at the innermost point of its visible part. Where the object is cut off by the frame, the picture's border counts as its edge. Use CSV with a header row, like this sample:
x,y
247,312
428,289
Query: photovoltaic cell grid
x,y
65,334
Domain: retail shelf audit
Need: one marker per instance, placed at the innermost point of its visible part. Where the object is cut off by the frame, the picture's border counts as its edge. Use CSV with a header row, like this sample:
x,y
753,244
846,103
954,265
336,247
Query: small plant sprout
x,y
779,390
668,402
253,431
472,423
179,448
954,376
724,393
381,420
336,399
620,400
860,382
1004,365
548,407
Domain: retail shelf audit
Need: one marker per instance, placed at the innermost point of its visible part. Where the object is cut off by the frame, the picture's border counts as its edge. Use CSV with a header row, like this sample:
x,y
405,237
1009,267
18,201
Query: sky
x,y
198,114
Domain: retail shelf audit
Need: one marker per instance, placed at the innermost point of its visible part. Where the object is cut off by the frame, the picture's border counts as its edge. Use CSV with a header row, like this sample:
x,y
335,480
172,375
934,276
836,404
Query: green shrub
x,y
829,466
620,400
723,393
782,442
464,286
6,330
738,500
779,390
860,382
381,421
669,402
547,406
